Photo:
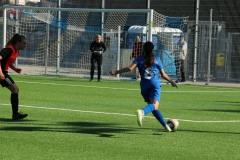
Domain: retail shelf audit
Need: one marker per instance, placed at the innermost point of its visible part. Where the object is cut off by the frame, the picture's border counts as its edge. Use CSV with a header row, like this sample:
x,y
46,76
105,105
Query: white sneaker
x,y
139,117
167,128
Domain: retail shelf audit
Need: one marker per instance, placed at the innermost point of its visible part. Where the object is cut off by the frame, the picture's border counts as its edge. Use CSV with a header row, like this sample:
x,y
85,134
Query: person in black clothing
x,y
8,56
97,48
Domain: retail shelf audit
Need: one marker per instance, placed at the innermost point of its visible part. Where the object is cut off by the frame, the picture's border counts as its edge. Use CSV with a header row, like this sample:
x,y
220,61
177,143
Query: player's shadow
x,y
9,120
18,125
100,129
22,128
228,103
95,128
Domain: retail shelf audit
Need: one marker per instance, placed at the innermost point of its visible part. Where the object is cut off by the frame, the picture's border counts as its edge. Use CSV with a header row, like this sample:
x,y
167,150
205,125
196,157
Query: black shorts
x,y
7,81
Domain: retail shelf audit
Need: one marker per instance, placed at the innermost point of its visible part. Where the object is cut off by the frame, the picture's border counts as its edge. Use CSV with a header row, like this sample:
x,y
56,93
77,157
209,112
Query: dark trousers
x,y
99,64
180,72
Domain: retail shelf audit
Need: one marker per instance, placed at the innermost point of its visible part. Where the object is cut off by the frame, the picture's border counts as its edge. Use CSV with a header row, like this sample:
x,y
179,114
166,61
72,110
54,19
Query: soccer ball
x,y
173,124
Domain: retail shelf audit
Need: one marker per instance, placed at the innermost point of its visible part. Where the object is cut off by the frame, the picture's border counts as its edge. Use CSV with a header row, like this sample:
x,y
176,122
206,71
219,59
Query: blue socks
x,y
149,108
158,115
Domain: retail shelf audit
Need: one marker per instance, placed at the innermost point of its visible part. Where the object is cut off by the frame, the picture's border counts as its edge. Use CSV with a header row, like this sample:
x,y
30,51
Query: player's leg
x,y
182,71
99,64
10,84
158,115
147,94
14,98
155,97
93,61
177,65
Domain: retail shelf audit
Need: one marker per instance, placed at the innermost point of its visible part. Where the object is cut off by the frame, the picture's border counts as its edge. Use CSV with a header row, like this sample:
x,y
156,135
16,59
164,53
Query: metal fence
x,y
225,57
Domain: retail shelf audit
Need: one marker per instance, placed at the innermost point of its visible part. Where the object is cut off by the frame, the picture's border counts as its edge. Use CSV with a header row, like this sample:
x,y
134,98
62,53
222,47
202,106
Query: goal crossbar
x,y
148,11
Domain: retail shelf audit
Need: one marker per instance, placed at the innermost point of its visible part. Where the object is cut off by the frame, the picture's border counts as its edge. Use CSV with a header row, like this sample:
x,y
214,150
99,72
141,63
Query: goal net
x,y
59,38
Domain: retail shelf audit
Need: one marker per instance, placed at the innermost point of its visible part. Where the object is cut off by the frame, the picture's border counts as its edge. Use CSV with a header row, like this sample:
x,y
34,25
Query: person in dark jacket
x,y
97,48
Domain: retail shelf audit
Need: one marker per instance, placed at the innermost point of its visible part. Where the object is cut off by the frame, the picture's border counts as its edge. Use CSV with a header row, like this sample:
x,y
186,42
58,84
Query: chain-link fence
x,y
225,55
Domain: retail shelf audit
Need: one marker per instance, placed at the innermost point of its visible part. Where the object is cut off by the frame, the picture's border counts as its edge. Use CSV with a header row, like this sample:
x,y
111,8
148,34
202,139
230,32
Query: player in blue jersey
x,y
149,66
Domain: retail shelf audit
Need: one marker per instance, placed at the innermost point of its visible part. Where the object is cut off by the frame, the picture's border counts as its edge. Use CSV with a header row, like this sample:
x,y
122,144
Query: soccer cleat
x,y
167,128
19,116
90,80
139,117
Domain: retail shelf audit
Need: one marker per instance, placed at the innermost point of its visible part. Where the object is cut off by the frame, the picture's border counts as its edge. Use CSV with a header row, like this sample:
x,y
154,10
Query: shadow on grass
x,y
99,129
219,110
196,131
223,104
15,121
22,128
231,103
223,110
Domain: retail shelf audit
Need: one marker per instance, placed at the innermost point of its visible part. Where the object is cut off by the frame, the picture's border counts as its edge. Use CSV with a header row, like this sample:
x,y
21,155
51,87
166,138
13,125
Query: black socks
x,y
14,102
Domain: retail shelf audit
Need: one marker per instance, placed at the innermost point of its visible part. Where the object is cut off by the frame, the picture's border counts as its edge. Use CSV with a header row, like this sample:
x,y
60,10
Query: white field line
x,y
120,114
176,91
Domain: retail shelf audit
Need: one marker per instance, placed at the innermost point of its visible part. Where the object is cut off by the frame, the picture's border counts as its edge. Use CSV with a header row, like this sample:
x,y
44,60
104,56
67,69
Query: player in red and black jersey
x,y
8,56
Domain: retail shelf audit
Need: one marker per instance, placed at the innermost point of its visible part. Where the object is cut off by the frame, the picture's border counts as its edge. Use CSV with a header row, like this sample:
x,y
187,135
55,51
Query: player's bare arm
x,y
126,69
18,70
2,77
166,77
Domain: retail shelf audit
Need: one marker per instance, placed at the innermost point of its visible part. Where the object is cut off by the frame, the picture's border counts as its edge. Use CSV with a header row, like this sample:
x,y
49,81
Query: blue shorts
x,y
151,93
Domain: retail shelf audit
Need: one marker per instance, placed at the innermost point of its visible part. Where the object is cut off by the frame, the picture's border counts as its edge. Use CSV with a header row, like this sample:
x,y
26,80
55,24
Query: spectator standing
x,y
180,53
137,51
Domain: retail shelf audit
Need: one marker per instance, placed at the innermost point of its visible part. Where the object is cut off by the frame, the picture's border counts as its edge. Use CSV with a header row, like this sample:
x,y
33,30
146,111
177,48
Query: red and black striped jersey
x,y
9,55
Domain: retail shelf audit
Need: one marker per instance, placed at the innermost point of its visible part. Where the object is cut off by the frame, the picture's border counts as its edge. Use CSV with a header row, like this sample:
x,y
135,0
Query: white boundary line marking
x,y
120,114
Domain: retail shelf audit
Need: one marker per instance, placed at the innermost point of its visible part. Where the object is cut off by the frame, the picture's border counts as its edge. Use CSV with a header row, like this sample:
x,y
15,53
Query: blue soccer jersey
x,y
150,82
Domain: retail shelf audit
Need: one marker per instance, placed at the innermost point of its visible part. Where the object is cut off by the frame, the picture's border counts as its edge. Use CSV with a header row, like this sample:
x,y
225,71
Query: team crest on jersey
x,y
148,73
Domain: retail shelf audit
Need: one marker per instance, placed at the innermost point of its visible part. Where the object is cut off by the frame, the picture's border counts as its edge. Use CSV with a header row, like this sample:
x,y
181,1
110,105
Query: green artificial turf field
x,y
70,118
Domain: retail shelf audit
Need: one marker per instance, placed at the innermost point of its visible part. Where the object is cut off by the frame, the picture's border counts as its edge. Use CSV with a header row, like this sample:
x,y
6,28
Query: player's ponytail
x,y
148,50
16,38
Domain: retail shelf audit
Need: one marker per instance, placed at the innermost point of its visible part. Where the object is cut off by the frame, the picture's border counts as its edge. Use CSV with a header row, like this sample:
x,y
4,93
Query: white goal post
x,y
59,38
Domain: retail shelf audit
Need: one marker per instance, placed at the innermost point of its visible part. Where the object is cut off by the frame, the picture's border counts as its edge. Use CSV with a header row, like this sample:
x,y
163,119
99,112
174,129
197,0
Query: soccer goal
x,y
59,38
